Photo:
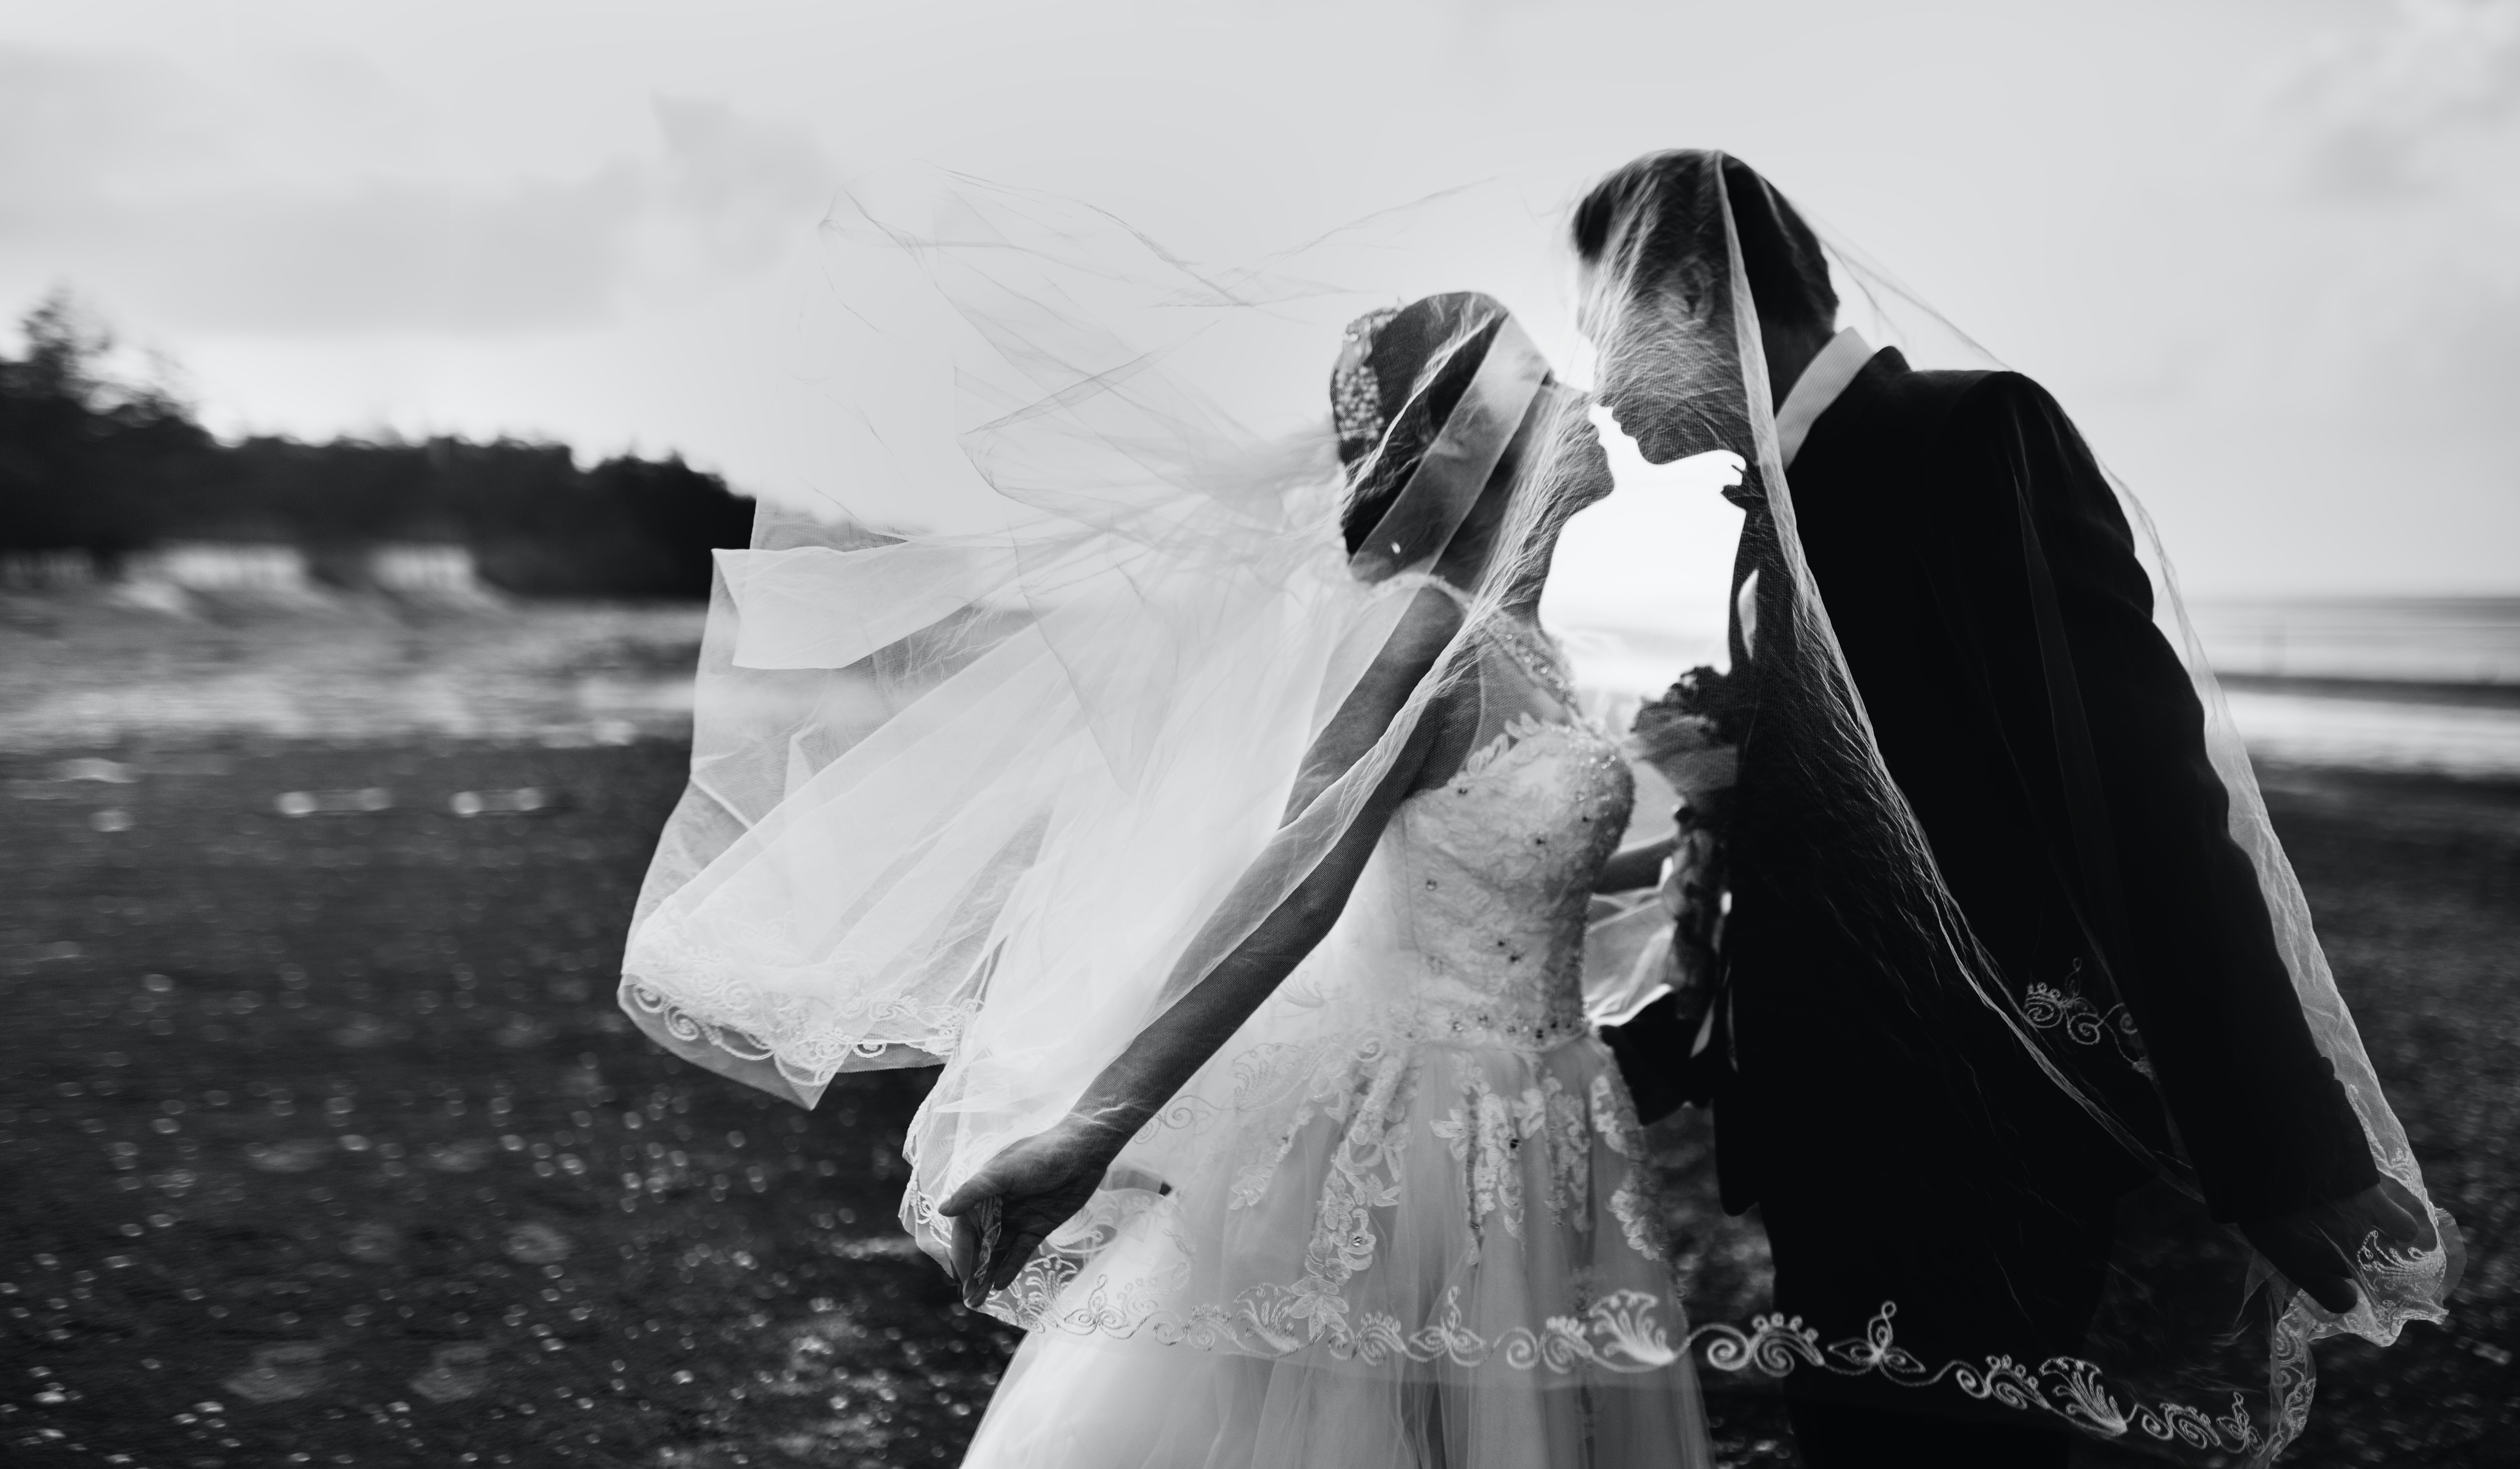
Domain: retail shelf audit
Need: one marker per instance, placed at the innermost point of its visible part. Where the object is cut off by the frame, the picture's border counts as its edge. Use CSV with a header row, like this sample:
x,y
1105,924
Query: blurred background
x,y
383,376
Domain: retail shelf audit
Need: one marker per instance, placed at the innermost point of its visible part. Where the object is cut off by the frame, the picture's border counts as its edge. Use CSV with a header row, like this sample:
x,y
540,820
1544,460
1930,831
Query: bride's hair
x,y
1398,379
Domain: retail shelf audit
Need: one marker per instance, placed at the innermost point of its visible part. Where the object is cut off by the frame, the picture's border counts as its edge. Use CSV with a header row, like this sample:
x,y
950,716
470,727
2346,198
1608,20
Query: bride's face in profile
x,y
1584,466
1574,472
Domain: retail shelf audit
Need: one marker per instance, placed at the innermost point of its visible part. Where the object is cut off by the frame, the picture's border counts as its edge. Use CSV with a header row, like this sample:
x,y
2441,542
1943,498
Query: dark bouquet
x,y
1690,735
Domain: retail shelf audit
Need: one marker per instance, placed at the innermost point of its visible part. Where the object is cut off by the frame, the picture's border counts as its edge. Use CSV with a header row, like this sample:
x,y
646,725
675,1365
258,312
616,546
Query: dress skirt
x,y
1392,1252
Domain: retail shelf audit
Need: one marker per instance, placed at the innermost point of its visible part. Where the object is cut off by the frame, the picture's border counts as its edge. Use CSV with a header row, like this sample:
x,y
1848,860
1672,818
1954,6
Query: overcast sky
x,y
2267,252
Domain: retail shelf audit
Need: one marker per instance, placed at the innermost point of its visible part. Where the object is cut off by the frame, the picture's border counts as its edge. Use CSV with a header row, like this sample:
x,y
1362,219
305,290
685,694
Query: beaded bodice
x,y
1488,878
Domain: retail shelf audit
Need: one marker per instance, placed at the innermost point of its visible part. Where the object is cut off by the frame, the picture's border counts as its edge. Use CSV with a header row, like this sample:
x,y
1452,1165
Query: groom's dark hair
x,y
1780,255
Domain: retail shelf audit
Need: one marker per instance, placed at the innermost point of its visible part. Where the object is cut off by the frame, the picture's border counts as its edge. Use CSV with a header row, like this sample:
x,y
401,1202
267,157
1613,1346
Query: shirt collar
x,y
1816,388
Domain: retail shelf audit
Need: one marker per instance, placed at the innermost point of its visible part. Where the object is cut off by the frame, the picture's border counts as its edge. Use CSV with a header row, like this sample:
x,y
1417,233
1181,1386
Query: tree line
x,y
92,461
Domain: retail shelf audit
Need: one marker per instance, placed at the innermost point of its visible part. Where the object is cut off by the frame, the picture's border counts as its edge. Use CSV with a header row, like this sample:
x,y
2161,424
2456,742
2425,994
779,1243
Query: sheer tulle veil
x,y
982,799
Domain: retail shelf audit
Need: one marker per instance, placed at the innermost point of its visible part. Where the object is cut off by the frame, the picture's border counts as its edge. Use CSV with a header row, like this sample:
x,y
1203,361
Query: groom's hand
x,y
2314,1247
1644,1048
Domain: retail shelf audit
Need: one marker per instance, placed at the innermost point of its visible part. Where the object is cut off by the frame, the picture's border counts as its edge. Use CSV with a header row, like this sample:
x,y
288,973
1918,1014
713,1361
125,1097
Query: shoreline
x,y
80,671
2461,696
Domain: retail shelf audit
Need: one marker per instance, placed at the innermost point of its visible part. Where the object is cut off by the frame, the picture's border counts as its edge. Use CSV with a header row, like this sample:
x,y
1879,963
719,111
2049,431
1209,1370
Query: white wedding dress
x,y
1406,1219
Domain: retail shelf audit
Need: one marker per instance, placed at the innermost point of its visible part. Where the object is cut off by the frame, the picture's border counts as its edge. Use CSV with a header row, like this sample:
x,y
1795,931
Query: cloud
x,y
742,190
195,207
2373,264
2416,103
391,256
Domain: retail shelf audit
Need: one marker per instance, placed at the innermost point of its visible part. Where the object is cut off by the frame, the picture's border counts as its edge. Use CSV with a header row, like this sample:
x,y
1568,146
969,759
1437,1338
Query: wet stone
x,y
326,1144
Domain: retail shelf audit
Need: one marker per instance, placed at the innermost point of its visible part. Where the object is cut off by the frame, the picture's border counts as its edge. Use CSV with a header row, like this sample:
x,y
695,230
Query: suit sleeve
x,y
2255,1102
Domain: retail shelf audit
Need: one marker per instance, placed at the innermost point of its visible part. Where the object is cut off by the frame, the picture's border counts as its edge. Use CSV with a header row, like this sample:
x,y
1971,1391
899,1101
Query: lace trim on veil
x,y
812,1057
2066,1387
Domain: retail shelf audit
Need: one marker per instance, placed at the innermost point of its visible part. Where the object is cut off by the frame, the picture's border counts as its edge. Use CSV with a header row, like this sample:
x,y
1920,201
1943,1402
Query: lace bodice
x,y
1486,879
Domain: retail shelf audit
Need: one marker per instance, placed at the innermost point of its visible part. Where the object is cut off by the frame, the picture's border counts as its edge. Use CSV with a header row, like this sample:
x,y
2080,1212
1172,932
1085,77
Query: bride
x,y
1432,1242
1226,826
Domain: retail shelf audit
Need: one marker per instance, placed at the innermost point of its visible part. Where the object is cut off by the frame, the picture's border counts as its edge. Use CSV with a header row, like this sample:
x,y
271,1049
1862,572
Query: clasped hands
x,y
2315,1247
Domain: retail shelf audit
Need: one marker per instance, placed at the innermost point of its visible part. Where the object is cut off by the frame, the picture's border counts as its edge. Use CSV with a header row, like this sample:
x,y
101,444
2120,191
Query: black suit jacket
x,y
1905,496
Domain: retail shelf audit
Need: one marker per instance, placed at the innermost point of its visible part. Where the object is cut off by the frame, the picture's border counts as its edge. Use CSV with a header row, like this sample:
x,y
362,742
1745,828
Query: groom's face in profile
x,y
1642,335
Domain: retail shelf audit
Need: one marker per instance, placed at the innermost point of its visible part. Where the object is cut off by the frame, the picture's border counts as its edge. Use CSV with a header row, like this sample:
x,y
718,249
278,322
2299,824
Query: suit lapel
x,y
1833,438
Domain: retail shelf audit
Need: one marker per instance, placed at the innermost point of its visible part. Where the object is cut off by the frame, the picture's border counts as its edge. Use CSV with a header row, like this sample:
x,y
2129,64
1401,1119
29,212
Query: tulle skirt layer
x,y
1382,1253
1076,1402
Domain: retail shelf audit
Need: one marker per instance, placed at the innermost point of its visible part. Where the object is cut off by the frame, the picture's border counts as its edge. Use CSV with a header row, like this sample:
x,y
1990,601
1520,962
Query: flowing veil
x,y
993,799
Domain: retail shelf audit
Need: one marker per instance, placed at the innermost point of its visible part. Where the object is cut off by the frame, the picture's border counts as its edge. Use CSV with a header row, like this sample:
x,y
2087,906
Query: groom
x,y
1984,585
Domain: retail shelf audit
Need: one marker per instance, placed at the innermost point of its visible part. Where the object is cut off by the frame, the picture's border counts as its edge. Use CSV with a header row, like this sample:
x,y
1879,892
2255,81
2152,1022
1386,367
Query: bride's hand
x,y
1036,1184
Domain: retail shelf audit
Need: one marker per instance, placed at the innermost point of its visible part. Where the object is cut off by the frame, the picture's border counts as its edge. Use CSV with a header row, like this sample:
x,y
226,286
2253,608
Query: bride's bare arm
x,y
1634,867
1045,1179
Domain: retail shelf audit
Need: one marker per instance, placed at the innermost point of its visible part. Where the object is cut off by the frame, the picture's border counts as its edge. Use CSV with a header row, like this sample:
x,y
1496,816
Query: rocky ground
x,y
324,1144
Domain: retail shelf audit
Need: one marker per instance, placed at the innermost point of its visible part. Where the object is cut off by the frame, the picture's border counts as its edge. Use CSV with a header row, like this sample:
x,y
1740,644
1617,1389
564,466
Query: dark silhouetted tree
x,y
94,461
86,456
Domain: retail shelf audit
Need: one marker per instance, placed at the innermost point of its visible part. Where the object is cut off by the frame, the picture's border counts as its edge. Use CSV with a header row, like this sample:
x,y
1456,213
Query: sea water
x,y
2406,683
2409,683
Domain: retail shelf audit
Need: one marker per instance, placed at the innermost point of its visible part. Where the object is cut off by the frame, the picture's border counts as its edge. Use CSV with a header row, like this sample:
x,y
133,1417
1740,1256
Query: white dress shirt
x,y
1822,379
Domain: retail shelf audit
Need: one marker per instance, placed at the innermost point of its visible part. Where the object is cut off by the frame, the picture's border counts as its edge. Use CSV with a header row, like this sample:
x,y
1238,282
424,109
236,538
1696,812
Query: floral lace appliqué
x,y
1364,1176
1487,1133
1632,1202
1484,1138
